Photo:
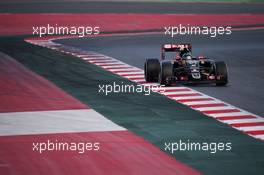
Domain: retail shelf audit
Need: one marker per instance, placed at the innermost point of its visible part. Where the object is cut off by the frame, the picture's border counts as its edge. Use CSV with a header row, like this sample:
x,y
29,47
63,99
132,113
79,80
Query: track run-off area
x,y
49,91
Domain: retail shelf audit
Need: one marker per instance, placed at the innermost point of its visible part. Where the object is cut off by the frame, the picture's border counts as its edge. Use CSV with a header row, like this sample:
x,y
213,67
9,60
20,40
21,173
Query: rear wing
x,y
175,48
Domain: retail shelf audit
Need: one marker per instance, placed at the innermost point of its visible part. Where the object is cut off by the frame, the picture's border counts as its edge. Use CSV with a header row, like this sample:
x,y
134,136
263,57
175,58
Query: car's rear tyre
x,y
166,72
221,73
152,70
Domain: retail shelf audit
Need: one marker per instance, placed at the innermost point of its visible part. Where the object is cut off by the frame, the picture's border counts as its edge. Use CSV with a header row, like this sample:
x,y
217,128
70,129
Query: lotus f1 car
x,y
184,68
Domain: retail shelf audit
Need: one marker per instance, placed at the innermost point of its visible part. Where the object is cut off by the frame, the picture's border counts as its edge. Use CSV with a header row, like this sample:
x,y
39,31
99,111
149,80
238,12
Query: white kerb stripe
x,y
261,136
190,97
176,88
150,84
179,92
202,102
94,59
214,108
128,69
135,76
117,62
139,80
101,61
116,66
250,120
231,114
127,73
251,128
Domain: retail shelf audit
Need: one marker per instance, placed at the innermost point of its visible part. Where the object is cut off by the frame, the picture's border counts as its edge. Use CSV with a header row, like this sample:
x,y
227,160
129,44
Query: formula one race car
x,y
184,68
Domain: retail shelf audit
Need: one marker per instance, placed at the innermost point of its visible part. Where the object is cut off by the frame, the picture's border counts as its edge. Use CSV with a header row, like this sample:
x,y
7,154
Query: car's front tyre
x,y
221,73
166,72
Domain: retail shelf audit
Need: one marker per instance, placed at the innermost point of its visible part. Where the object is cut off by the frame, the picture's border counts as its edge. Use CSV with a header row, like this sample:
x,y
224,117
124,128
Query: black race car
x,y
184,68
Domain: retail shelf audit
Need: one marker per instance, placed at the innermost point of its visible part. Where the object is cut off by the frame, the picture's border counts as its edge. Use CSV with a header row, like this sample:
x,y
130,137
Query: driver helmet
x,y
187,56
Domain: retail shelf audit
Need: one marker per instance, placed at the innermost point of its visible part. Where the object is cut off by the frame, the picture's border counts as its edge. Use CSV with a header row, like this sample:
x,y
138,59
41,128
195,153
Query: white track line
x,y
58,121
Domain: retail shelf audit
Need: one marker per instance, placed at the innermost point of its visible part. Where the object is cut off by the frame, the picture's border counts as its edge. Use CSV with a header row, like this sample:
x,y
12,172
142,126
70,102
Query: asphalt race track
x,y
242,51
